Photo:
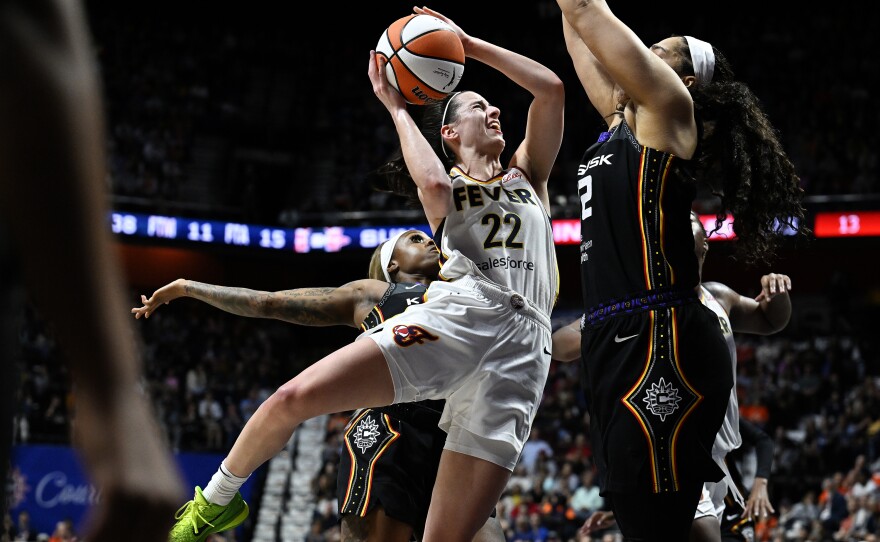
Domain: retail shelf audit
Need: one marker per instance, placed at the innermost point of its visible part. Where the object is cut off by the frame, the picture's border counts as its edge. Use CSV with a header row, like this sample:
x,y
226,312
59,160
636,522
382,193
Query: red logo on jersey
x,y
511,175
410,335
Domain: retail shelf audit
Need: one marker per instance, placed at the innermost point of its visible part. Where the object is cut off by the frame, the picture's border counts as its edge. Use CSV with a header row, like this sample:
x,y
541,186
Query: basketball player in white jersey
x,y
768,313
384,486
481,340
736,313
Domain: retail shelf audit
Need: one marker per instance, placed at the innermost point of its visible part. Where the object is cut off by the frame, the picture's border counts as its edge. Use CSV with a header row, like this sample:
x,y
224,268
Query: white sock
x,y
223,486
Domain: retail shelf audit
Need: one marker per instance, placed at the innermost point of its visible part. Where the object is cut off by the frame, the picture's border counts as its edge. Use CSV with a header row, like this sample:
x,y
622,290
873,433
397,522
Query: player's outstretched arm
x,y
768,313
324,306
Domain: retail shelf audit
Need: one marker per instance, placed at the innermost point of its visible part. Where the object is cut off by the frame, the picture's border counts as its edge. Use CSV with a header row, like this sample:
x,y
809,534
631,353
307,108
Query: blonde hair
x,y
376,271
382,255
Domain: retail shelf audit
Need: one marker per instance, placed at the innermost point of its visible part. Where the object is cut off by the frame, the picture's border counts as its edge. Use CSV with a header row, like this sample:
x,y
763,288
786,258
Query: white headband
x,y
443,123
387,251
703,59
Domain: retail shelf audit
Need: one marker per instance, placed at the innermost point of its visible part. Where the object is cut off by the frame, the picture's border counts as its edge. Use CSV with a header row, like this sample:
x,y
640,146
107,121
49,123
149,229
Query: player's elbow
x,y
436,186
553,89
776,325
435,191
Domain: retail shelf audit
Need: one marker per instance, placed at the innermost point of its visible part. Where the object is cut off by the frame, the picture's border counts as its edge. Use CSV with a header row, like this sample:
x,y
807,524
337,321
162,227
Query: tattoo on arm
x,y
312,307
304,306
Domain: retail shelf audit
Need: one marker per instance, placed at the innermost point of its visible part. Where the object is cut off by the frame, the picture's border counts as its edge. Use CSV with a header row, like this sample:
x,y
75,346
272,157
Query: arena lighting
x,y
337,238
234,234
568,232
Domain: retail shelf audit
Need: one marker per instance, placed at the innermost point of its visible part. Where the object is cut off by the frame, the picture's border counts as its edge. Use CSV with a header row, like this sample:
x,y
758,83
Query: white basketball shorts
x,y
712,499
483,348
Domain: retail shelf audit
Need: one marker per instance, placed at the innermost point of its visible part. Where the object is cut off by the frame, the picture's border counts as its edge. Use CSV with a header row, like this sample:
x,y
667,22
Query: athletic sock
x,y
223,486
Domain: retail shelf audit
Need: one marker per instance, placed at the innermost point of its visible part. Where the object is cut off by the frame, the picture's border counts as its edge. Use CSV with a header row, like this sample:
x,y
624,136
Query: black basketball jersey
x,y
635,220
397,298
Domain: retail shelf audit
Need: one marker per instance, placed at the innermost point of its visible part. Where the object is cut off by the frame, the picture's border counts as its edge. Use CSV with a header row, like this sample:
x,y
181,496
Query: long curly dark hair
x,y
743,162
429,118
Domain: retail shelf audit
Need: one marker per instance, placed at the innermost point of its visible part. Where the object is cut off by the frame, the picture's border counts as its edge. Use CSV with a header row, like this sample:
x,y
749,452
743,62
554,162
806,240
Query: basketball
x,y
425,57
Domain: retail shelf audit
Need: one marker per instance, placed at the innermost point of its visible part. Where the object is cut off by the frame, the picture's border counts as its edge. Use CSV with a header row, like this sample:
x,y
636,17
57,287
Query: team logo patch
x,y
662,399
366,435
410,335
511,176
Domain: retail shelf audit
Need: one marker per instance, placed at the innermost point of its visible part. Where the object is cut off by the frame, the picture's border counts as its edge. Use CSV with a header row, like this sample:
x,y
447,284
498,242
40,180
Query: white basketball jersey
x,y
500,229
728,437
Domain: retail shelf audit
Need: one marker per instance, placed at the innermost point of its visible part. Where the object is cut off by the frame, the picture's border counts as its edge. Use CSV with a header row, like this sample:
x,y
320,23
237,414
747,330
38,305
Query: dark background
x,y
281,92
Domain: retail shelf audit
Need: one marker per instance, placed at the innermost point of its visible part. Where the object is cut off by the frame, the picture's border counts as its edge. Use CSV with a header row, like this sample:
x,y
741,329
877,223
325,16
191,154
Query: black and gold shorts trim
x,y
367,437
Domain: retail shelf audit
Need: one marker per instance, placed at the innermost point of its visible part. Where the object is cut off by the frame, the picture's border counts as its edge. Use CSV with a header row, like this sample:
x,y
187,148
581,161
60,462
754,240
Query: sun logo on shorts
x,y
410,335
662,399
366,434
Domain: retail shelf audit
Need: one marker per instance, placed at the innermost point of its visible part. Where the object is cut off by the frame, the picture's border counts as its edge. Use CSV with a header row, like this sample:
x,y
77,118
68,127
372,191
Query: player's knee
x,y
289,401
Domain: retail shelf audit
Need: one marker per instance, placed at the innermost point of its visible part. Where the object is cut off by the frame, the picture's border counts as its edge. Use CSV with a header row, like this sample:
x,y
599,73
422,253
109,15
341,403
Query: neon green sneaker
x,y
198,518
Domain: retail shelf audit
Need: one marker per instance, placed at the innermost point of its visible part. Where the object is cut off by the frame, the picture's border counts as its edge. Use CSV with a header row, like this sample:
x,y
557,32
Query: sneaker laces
x,y
191,511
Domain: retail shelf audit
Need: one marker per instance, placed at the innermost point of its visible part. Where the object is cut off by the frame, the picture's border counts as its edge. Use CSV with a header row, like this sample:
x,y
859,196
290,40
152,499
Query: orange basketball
x,y
425,57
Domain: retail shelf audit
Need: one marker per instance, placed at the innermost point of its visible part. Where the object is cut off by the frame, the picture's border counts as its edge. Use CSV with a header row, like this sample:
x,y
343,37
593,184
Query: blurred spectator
x,y
64,532
8,530
801,515
23,530
533,448
563,482
537,531
211,414
197,381
520,479
832,506
586,498
231,423
580,450
861,521
249,404
522,531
